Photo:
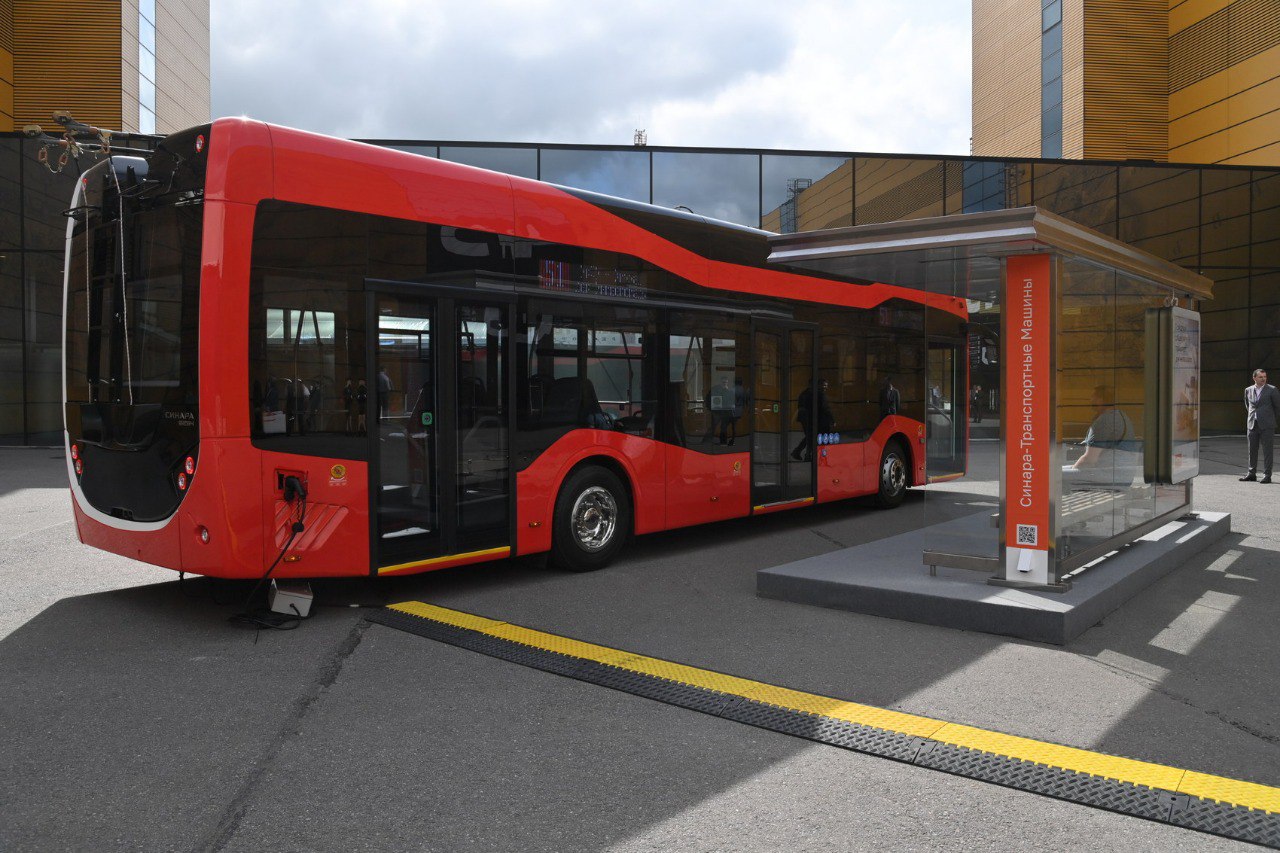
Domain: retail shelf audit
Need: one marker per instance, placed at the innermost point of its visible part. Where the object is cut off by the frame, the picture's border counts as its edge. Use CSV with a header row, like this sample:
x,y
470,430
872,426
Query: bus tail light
x,y
79,467
182,481
75,452
190,465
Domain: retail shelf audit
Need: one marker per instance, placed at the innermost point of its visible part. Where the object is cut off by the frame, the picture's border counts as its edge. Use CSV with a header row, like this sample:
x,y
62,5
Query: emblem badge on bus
x,y
338,475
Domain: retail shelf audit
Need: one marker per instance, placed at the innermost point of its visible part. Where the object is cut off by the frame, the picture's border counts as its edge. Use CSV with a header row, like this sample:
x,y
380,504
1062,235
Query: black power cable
x,y
294,490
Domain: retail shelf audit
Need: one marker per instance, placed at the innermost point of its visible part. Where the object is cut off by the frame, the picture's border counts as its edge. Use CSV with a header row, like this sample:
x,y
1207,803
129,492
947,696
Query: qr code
x,y
1028,534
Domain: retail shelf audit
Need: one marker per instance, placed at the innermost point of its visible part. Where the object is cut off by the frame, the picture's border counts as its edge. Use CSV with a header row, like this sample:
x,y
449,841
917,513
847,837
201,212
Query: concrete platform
x,y
888,578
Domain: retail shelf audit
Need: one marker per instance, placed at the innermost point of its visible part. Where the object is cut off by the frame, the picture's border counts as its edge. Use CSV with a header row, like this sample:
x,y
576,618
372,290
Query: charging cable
x,y
295,492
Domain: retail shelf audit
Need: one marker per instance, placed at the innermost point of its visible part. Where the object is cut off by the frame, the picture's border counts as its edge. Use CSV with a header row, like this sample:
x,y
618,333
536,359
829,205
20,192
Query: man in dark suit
x,y
1262,403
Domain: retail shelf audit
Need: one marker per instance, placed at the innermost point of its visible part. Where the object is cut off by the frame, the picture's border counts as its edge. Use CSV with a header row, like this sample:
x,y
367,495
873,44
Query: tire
x,y
892,474
592,520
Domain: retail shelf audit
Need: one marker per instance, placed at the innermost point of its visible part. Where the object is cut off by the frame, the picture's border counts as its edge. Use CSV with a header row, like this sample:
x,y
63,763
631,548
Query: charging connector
x,y
294,489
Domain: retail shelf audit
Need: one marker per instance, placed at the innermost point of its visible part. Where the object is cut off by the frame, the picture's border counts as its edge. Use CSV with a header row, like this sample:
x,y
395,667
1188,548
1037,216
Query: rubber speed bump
x,y
1233,808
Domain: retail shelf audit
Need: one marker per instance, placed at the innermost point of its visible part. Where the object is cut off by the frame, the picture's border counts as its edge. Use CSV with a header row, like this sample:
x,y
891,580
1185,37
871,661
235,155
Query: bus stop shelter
x,y
1075,420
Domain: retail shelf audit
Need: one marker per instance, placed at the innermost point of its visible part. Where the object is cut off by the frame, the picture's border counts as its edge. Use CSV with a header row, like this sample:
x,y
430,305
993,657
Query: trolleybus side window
x,y
306,330
708,383
583,365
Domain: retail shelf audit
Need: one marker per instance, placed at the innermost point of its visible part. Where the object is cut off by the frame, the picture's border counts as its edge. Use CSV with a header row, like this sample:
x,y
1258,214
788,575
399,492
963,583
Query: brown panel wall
x,y
6,65
1073,79
1006,78
66,55
1126,57
1224,82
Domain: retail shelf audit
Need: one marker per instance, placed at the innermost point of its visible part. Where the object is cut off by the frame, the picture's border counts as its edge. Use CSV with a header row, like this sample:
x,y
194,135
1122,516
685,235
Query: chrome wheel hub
x,y
594,518
893,474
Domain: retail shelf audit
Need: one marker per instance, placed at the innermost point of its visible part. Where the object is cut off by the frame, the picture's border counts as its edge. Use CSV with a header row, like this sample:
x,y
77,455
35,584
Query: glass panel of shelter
x,y
1101,380
957,509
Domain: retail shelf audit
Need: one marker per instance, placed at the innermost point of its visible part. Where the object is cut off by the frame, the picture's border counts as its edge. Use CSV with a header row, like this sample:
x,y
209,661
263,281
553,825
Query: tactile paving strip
x,y
1156,792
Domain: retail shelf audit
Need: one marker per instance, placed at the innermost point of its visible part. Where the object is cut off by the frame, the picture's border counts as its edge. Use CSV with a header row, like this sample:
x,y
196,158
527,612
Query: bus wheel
x,y
592,520
893,476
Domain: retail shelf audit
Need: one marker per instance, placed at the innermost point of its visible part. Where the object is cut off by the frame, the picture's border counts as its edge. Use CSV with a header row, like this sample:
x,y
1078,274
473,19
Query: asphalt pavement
x,y
135,716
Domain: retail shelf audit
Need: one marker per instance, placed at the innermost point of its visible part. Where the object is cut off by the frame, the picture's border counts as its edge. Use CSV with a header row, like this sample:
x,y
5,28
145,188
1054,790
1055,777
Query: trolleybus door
x,y
947,410
439,414
783,442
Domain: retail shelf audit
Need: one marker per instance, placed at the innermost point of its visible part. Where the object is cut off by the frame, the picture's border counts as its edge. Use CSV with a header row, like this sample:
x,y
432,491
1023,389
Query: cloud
x,y
856,75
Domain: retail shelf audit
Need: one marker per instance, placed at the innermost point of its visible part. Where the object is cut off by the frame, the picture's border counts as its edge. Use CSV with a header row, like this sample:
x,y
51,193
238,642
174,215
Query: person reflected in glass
x,y
890,399
1261,405
1110,457
720,403
590,413
384,391
975,404
362,400
826,420
739,406
349,404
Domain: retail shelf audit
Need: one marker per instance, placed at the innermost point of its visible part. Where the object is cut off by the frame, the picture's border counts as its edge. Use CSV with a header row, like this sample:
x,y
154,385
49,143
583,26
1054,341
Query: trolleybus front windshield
x,y
131,321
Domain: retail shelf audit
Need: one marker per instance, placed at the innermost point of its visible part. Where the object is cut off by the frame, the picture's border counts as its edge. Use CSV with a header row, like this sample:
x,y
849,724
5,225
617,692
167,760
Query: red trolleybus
x,y
442,365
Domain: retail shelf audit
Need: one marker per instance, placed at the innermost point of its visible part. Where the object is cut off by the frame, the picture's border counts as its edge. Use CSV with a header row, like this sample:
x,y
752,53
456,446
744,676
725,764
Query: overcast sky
x,y
859,75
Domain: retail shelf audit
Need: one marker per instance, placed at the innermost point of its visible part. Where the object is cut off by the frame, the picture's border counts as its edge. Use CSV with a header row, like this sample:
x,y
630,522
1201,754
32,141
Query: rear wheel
x,y
592,520
893,475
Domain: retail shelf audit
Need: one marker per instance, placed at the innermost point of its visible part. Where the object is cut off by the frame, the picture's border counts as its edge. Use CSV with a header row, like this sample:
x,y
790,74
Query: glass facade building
x,y
1220,221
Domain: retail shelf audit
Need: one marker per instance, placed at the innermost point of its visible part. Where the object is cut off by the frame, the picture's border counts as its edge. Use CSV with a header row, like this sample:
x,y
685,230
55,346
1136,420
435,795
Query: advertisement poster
x,y
1185,399
1028,349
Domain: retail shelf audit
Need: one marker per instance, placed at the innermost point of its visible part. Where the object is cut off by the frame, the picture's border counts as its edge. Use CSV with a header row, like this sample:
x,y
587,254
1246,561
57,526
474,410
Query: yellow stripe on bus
x,y
1128,770
450,558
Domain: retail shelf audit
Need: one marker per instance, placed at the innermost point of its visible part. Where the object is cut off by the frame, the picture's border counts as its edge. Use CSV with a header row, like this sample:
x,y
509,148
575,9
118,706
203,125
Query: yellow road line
x,y
1203,785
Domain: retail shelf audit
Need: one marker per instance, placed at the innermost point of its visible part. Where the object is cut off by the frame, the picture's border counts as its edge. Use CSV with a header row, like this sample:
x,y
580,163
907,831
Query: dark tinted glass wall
x,y
32,235
1221,221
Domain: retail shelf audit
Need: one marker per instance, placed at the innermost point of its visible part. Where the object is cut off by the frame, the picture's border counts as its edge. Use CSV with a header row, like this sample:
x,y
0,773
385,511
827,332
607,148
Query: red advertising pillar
x,y
1029,480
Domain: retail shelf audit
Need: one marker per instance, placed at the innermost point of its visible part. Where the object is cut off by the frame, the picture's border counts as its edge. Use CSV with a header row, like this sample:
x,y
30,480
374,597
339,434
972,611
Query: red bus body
x,y
233,520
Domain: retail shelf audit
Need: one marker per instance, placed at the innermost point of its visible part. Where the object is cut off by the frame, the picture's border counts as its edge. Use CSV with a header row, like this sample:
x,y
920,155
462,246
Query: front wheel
x,y
893,476
592,520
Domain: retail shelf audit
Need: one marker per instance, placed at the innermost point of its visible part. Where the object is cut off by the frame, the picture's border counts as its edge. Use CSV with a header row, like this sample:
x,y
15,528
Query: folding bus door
x,y
438,406
783,444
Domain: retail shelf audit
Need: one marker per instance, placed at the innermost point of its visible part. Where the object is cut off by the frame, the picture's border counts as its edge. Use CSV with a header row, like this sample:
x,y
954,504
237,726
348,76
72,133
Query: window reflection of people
x,y
975,404
1110,457
349,403
890,399
590,413
362,400
826,421
720,402
739,406
384,391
